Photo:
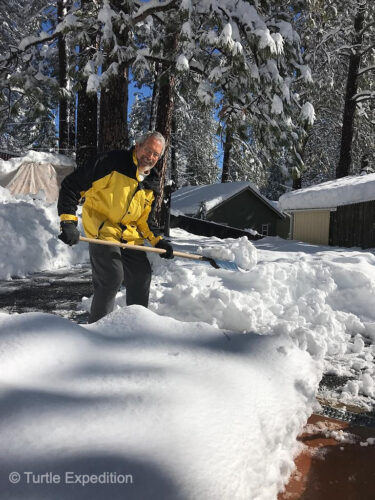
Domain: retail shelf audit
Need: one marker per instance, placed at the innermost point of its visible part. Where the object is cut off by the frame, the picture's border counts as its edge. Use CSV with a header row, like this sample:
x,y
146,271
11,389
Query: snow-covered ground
x,y
321,297
202,395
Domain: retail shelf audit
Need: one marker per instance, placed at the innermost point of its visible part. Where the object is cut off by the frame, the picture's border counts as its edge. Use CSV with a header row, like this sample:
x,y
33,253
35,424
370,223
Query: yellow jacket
x,y
117,204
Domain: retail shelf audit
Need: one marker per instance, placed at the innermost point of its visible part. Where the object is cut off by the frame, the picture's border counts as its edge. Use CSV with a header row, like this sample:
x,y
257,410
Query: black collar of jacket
x,y
152,181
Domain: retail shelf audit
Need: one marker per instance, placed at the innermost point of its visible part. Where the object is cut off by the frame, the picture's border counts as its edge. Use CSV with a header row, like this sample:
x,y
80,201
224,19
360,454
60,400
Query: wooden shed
x,y
339,212
236,204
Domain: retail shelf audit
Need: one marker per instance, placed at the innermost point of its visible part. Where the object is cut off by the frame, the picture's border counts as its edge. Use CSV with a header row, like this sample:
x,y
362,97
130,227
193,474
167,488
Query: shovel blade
x,y
227,264
222,264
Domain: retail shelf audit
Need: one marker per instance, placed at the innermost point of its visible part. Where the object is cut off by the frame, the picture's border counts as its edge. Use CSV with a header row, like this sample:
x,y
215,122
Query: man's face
x,y
148,154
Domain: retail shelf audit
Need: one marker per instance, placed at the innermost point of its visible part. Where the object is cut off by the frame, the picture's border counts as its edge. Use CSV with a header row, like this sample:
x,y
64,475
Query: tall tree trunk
x,y
297,182
174,169
113,128
164,126
87,125
165,108
113,116
72,125
300,150
154,99
228,145
345,160
63,101
87,114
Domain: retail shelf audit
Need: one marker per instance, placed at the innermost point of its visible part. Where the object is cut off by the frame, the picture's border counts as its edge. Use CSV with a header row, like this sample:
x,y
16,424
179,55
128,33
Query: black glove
x,y
69,232
165,245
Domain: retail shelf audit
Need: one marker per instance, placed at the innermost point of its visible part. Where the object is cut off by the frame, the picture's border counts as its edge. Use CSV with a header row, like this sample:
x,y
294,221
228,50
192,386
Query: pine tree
x,y
139,118
28,94
244,59
327,30
363,24
194,139
250,59
63,82
243,158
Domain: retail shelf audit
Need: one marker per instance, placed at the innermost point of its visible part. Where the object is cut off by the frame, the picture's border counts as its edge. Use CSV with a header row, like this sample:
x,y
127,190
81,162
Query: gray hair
x,y
156,135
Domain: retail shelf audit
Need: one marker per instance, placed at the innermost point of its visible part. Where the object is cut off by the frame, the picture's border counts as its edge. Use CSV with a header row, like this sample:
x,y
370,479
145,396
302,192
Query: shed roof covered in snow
x,y
187,200
331,194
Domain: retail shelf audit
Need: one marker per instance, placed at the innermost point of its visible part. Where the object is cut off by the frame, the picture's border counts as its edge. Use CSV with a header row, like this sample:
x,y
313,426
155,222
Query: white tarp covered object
x,y
35,172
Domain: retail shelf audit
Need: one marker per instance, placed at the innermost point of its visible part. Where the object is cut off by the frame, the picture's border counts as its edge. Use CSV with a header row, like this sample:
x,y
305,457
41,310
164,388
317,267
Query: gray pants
x,y
111,267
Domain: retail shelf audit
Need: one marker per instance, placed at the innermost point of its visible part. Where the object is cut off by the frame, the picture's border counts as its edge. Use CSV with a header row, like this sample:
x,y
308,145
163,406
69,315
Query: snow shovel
x,y
216,263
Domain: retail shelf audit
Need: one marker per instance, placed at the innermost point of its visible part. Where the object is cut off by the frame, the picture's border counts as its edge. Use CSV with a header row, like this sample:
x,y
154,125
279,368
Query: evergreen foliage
x,y
194,139
254,74
28,89
327,30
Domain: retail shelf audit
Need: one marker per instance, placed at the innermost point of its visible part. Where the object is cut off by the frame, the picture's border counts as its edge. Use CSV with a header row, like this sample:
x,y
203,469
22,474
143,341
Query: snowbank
x,y
188,410
240,251
28,237
322,298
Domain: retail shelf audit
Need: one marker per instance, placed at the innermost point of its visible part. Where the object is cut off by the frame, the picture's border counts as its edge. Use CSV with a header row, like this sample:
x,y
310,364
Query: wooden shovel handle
x,y
141,248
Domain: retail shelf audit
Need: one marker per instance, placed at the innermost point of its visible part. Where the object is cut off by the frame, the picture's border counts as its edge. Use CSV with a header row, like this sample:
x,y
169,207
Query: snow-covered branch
x,y
347,49
366,95
365,70
365,28
368,120
31,41
368,49
326,37
28,42
152,7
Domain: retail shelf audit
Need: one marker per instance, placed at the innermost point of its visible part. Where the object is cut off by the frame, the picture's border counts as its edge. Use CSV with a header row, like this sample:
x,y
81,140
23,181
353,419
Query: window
x,y
265,229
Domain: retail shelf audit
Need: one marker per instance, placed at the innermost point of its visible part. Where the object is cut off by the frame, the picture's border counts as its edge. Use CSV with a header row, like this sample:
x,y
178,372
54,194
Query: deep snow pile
x,y
240,251
28,237
322,298
189,410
